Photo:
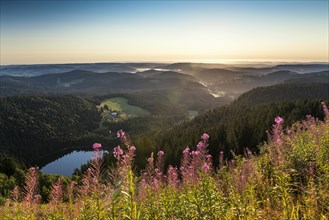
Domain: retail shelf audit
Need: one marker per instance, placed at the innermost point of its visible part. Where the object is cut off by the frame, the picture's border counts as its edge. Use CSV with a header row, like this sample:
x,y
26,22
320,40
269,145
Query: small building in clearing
x,y
115,114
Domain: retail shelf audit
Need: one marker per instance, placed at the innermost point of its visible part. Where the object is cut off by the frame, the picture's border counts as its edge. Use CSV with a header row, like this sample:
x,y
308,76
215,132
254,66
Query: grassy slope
x,y
127,111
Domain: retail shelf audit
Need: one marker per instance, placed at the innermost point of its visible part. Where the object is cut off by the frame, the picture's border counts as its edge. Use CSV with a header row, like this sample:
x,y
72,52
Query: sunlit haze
x,y
163,31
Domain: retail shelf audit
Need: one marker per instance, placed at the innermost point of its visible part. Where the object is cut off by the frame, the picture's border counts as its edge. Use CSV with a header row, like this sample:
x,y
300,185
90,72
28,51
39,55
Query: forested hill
x,y
285,92
33,126
243,123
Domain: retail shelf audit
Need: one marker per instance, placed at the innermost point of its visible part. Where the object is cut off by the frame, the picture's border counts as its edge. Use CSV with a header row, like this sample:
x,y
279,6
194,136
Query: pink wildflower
x,y
117,152
194,153
325,110
205,167
205,136
186,150
132,148
120,134
97,146
278,120
200,145
160,153
172,176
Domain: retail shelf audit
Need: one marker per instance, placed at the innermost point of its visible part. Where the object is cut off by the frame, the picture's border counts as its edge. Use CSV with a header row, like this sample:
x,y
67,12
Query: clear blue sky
x,y
104,31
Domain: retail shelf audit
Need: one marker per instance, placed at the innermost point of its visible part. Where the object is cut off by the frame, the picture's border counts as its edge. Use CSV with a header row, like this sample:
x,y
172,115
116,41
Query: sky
x,y
58,31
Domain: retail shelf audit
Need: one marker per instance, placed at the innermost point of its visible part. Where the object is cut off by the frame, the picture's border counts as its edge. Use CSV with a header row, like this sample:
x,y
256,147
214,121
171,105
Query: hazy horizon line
x,y
224,62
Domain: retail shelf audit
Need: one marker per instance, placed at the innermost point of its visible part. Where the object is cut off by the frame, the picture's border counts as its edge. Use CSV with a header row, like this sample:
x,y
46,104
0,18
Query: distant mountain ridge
x,y
218,80
41,69
81,81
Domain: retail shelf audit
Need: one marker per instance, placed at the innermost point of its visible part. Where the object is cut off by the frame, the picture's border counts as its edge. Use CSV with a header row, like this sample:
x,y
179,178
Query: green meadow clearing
x,y
126,110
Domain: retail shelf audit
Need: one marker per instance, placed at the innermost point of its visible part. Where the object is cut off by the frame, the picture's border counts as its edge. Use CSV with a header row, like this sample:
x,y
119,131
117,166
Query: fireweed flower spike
x,y
97,146
200,145
120,134
160,153
159,164
205,167
326,111
132,149
195,153
205,136
278,120
117,152
186,150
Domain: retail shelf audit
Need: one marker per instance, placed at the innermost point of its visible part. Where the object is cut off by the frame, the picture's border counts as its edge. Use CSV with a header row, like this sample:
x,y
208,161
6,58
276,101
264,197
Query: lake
x,y
65,165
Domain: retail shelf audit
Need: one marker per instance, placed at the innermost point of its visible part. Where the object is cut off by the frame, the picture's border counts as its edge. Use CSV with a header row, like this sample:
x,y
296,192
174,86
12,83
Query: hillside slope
x,y
288,180
34,126
244,122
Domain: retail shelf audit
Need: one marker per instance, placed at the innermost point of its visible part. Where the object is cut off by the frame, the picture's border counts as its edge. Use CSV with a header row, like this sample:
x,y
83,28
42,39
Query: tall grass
x,y
288,180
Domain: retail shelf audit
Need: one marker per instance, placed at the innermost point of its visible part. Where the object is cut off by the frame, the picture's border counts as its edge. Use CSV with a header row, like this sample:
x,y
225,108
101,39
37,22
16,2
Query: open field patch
x,y
119,107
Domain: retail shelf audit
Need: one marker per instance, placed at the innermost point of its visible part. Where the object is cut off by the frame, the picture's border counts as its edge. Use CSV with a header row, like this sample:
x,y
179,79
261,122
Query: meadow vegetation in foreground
x,y
289,179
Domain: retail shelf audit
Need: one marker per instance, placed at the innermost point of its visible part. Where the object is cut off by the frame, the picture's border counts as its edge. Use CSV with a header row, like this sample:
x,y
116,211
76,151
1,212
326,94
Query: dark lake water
x,y
65,165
